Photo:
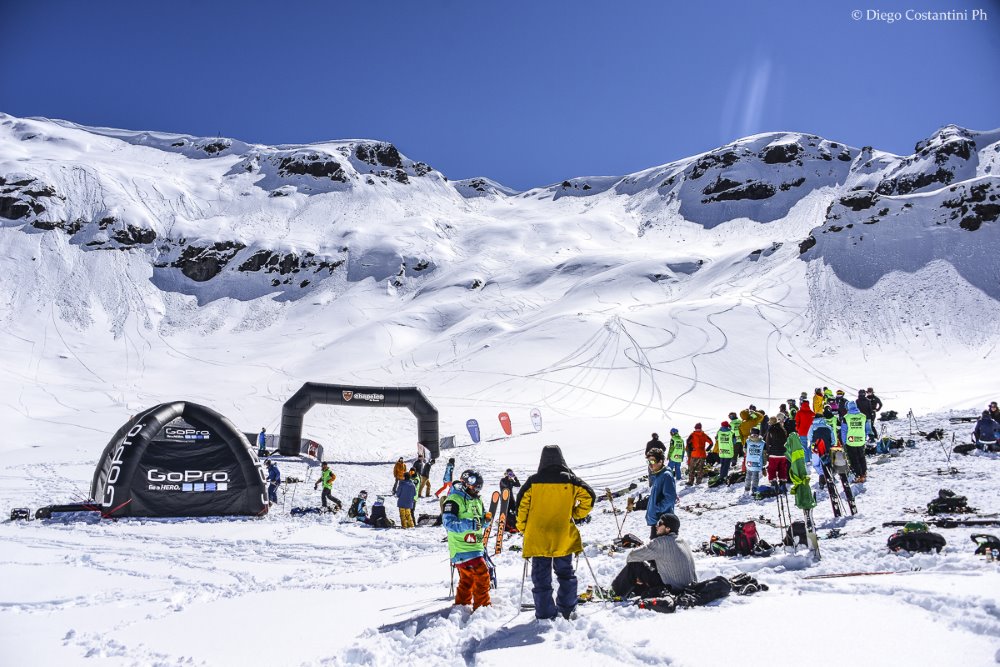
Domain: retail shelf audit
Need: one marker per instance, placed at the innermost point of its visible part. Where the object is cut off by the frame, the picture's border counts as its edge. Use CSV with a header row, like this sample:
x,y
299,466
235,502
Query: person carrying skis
x,y
852,432
697,445
777,464
548,504
449,471
463,519
662,490
676,453
398,474
326,478
665,563
755,460
509,481
273,481
406,500
654,443
262,442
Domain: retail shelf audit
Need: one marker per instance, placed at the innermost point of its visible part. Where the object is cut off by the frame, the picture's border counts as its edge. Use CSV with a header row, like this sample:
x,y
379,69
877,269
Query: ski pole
x,y
597,586
607,492
524,575
451,589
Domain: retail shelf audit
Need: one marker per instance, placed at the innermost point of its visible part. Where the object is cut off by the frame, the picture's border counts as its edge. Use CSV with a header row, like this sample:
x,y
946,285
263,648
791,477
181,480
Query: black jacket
x,y
776,438
655,443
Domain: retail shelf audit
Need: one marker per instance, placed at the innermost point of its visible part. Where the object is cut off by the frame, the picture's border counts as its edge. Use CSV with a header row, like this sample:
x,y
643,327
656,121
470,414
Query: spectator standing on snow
x,y
273,481
665,563
725,449
549,502
818,401
449,471
326,478
654,443
398,474
662,490
697,445
853,431
777,464
876,406
994,412
755,459
425,478
262,442
510,481
865,407
463,519
406,500
675,455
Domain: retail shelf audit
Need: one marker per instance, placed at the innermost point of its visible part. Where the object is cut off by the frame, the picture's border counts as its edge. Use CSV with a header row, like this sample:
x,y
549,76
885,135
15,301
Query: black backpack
x,y
916,542
666,604
795,534
701,593
352,511
948,503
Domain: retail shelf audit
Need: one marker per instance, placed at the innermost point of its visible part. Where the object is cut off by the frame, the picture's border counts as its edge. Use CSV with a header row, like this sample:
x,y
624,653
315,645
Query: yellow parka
x,y
399,470
750,420
548,503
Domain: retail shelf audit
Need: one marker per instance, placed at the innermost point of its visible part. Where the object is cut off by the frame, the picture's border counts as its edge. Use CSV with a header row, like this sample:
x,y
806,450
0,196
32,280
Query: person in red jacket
x,y
804,419
698,443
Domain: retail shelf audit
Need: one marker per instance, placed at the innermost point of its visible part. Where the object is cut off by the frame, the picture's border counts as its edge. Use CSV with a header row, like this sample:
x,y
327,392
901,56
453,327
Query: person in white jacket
x,y
665,564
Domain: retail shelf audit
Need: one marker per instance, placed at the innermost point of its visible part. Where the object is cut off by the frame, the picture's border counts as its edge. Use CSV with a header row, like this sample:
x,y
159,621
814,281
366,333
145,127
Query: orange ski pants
x,y
473,583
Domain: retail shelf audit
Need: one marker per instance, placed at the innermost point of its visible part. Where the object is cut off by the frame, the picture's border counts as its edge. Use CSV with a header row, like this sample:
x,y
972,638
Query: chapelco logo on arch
x,y
372,398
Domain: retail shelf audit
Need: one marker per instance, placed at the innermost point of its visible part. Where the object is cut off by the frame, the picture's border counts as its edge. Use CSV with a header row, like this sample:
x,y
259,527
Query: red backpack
x,y
745,538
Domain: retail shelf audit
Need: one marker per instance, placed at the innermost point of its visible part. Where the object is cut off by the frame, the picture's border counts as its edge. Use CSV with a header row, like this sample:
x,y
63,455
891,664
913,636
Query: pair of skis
x,y
831,489
500,501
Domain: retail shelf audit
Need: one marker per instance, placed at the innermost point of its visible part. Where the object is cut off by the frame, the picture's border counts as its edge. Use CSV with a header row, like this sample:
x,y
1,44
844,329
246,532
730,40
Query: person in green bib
x,y
725,446
463,519
326,479
675,454
853,433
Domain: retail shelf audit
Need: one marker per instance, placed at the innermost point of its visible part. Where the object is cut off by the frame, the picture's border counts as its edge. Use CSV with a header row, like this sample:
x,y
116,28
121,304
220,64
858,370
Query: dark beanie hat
x,y
670,521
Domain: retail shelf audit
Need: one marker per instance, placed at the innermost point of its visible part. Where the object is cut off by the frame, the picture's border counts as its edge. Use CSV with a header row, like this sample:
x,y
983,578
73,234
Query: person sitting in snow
x,y
985,433
666,563
359,508
463,519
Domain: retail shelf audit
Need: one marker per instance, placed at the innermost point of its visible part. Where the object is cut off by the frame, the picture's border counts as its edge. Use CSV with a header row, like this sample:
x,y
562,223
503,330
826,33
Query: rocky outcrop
x,y
22,197
312,164
979,204
379,154
204,263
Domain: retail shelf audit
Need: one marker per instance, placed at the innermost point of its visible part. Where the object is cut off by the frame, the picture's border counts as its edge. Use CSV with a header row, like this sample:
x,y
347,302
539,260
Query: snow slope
x,y
140,267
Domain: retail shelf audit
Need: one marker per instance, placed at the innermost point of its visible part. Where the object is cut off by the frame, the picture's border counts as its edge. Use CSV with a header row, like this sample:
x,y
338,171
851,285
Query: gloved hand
x,y
488,516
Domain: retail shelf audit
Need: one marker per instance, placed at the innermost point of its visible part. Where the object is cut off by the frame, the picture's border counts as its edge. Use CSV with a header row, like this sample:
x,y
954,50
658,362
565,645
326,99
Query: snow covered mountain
x,y
808,243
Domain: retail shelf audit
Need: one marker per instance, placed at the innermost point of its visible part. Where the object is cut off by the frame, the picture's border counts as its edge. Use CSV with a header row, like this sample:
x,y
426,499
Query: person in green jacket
x,y
676,453
326,478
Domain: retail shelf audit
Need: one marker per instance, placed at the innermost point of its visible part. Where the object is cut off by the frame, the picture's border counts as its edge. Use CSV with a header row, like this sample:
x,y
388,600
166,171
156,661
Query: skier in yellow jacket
x,y
549,502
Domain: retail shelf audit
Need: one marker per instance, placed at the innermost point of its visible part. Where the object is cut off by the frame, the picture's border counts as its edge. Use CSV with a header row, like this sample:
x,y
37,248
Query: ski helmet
x,y
472,481
674,431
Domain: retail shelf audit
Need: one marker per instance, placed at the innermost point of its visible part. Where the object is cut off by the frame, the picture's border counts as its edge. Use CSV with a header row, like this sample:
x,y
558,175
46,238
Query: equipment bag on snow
x,y
20,514
948,503
916,542
745,537
429,520
838,460
718,546
627,541
987,545
666,604
744,584
795,534
703,592
301,511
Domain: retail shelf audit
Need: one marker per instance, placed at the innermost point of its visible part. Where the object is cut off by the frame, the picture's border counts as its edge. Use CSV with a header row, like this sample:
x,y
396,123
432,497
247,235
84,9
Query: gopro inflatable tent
x,y
179,459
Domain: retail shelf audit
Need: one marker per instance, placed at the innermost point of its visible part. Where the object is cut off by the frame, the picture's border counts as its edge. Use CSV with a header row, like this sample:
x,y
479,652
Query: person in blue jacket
x,y
662,490
273,481
406,500
262,443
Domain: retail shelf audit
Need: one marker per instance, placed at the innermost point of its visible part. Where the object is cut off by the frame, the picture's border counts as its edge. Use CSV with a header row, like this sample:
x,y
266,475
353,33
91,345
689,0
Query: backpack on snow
x,y
795,534
701,593
745,538
352,511
666,604
924,542
948,503
838,460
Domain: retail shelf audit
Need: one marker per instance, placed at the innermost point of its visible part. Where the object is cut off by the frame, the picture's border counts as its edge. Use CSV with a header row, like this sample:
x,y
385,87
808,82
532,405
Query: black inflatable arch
x,y
179,459
312,393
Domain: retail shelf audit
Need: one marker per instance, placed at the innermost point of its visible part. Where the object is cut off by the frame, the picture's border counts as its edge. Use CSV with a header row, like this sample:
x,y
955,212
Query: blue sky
x,y
527,93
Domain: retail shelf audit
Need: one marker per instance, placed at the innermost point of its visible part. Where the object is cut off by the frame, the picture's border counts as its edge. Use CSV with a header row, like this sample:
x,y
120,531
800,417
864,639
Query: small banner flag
x,y
473,427
536,419
504,422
